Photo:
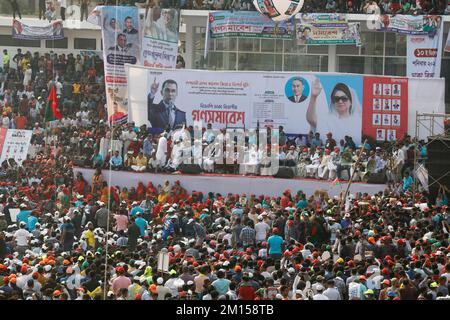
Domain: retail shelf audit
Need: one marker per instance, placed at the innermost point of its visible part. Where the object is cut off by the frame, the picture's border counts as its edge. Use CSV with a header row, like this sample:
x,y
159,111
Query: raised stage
x,y
225,183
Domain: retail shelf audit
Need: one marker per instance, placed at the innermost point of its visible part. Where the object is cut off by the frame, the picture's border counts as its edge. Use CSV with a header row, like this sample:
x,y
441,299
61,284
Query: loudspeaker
x,y
285,173
190,168
377,178
437,164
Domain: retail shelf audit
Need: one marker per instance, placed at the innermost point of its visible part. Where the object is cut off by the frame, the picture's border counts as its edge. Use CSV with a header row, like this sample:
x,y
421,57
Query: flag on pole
x,y
52,110
336,183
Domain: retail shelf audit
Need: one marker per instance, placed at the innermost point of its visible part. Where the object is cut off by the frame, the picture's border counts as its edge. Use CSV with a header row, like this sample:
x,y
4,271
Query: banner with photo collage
x,y
408,24
247,24
385,108
121,44
160,38
52,31
327,29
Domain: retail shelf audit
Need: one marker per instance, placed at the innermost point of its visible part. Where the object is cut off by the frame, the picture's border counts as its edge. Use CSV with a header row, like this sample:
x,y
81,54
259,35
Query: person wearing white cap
x,y
161,152
161,290
320,296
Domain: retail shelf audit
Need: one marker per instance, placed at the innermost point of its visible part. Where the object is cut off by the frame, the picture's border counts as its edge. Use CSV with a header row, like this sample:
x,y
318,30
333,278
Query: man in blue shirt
x,y
136,209
23,214
275,245
31,223
221,285
116,161
141,223
316,141
238,210
97,160
148,147
407,181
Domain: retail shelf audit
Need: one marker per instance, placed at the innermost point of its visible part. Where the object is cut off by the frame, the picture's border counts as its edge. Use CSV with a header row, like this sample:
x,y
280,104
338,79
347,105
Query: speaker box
x,y
377,178
285,173
438,164
190,168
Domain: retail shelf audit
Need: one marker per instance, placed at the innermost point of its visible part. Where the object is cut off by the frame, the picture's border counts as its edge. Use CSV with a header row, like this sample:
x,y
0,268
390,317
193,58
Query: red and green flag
x,y
52,110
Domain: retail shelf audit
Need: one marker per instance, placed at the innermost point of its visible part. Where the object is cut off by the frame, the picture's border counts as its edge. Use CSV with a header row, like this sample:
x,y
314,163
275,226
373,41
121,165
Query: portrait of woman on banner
x,y
342,114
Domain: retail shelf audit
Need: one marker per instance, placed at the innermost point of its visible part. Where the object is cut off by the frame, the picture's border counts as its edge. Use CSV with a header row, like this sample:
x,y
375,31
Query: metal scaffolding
x,y
434,126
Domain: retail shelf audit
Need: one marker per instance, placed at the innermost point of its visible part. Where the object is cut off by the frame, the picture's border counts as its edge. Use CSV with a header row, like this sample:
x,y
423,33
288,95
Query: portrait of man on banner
x,y
164,114
162,24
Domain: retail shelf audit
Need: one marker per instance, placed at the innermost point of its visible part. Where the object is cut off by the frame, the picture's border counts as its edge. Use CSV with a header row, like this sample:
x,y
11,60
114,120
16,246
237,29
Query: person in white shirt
x,y
261,229
22,237
311,169
332,292
161,151
320,295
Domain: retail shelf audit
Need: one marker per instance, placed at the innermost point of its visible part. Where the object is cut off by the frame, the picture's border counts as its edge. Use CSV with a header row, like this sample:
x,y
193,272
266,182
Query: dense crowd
x,y
56,9
63,237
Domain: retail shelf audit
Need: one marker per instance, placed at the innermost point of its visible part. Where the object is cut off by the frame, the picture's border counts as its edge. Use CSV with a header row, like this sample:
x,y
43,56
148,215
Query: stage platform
x,y
225,183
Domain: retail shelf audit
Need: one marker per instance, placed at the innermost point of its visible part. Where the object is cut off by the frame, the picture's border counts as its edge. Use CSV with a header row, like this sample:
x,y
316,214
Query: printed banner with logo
x,y
298,101
424,54
52,31
325,29
408,24
121,44
248,24
160,41
385,115
15,144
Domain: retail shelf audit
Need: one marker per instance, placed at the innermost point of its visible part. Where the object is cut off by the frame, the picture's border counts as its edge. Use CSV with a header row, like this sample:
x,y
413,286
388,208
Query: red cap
x,y
275,230
24,269
120,270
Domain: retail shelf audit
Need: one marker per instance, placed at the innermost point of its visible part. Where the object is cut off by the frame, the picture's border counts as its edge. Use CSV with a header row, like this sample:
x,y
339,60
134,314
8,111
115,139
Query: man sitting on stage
x,y
323,168
139,163
311,169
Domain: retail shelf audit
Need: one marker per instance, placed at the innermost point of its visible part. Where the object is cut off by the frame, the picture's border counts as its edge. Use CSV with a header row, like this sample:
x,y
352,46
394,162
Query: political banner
x,y
52,31
300,102
121,44
16,144
2,137
160,40
408,24
312,35
337,20
424,54
327,29
248,24
385,108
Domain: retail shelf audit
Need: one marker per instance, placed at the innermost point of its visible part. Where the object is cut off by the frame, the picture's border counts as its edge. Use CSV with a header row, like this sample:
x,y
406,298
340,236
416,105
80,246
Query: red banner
x,y
385,108
2,138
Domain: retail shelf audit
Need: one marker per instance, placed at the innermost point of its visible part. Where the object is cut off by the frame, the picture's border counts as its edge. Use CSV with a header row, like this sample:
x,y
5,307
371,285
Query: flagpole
x,y
352,176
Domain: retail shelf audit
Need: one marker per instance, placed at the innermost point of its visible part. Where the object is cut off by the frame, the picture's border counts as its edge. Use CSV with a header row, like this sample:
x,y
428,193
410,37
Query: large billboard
x,y
300,102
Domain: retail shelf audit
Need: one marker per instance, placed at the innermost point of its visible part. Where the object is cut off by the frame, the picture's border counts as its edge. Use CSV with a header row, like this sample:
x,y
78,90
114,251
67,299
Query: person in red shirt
x,y
21,121
285,199
246,289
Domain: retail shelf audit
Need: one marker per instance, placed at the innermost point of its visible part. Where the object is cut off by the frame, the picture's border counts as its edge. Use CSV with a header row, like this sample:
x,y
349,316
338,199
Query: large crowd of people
x,y
65,238
62,237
